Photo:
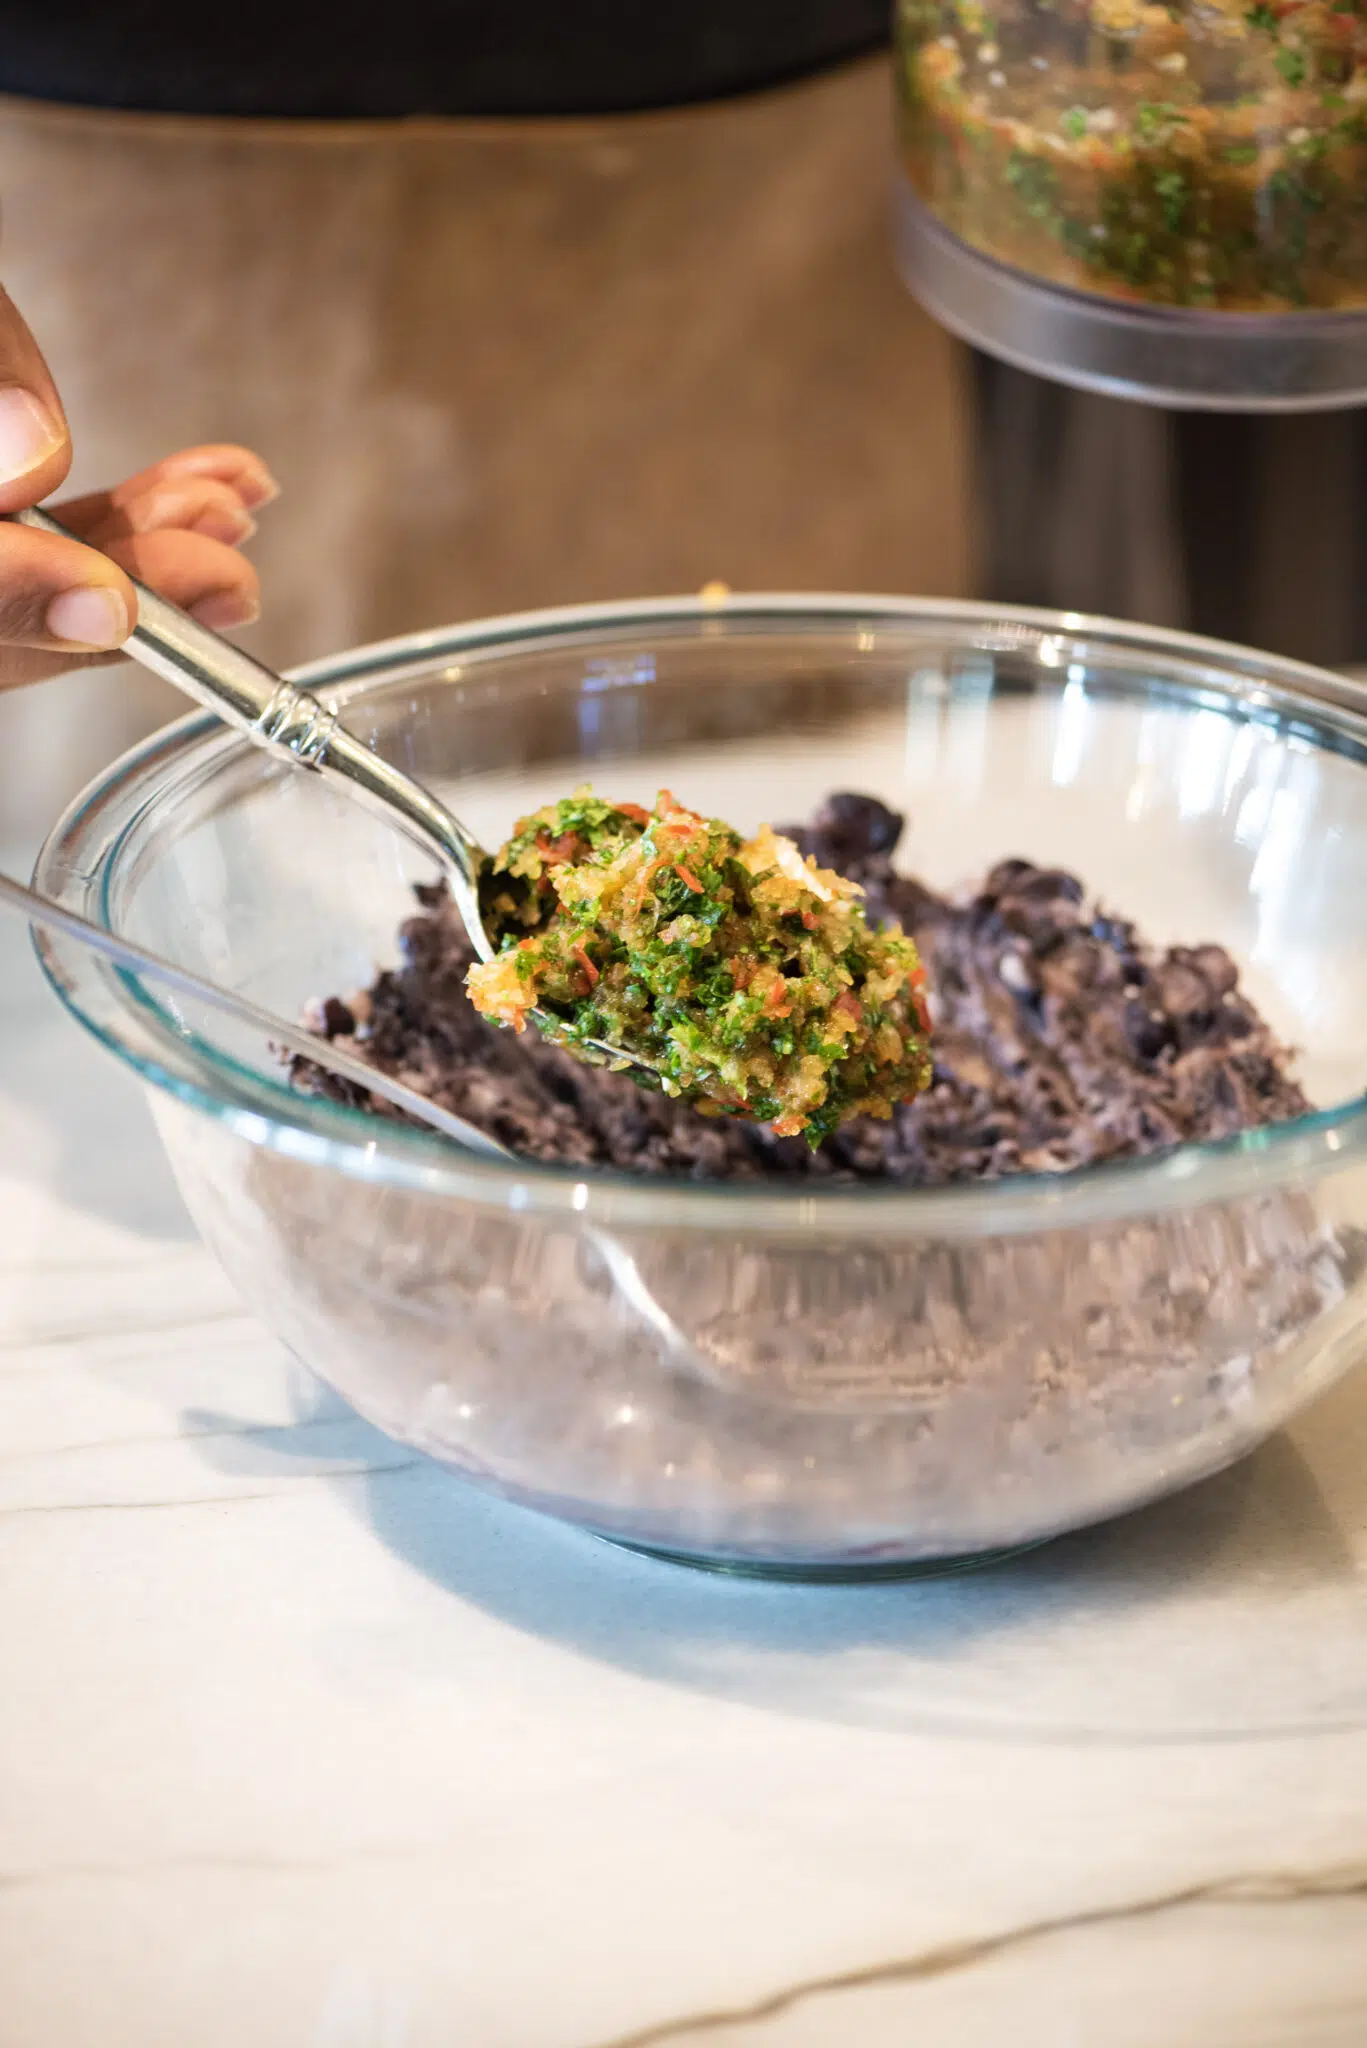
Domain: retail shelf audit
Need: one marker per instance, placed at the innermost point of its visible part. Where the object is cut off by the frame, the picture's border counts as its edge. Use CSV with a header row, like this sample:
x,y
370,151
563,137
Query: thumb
x,y
35,447
60,596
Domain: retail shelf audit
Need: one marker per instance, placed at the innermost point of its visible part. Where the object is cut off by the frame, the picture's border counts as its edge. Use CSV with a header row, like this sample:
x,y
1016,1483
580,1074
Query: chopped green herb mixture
x,y
1203,153
750,977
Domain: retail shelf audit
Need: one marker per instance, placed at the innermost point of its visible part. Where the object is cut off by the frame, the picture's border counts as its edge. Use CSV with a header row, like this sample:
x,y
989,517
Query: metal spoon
x,y
294,1038
42,911
288,720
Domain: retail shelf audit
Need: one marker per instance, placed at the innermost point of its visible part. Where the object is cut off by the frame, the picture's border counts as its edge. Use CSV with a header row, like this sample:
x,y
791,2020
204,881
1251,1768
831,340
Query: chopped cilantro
x,y
1293,65
1153,119
1172,188
1034,183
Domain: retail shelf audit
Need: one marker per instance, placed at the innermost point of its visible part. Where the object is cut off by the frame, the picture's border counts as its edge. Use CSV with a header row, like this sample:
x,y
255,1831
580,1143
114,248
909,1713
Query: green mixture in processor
x,y
748,976
1206,153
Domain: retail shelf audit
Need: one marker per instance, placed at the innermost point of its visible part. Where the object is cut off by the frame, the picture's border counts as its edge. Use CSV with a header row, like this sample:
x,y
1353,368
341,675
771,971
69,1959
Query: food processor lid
x,y
288,59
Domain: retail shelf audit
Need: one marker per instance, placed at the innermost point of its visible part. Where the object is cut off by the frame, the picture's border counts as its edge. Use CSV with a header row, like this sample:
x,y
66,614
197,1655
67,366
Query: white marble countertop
x,y
304,1742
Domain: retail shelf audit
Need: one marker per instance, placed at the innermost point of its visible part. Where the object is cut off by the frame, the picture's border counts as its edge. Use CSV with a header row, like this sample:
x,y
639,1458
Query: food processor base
x,y
1172,356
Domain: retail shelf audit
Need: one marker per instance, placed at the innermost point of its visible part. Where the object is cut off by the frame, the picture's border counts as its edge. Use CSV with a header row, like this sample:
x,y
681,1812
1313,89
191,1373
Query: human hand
x,y
175,526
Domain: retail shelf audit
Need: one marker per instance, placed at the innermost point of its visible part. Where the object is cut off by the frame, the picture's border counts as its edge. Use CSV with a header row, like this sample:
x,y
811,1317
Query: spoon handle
x,y
293,1038
281,716
241,690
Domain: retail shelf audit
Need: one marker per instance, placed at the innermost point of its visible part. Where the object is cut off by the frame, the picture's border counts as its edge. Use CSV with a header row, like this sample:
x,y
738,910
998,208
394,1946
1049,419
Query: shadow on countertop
x,y
1232,1612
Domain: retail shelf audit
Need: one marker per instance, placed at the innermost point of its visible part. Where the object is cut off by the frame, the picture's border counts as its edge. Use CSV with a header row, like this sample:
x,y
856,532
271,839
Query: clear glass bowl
x,y
827,1380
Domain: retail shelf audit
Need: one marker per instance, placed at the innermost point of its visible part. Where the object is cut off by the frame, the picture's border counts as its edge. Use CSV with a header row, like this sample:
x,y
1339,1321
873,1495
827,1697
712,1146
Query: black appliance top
x,y
341,58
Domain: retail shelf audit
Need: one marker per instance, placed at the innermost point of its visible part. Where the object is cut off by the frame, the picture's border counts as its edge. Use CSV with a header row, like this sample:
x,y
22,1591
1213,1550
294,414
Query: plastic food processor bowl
x,y
845,1379
1160,203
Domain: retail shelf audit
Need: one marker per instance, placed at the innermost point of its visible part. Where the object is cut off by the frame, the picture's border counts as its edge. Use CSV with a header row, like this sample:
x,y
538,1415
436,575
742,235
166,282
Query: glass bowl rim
x,y
360,1145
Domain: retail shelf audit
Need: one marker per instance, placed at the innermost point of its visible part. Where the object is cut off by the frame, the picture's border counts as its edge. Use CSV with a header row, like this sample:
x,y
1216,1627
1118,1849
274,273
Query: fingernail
x,y
258,489
224,608
28,432
93,617
227,523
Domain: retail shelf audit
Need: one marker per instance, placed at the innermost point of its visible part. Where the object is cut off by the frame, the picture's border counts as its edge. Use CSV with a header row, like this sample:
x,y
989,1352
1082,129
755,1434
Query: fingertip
x,y
222,523
242,468
257,487
189,569
95,617
199,505
58,595
223,610
35,448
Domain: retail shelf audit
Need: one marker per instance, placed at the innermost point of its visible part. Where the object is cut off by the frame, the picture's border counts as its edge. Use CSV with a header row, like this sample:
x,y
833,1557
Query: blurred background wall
x,y
494,364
